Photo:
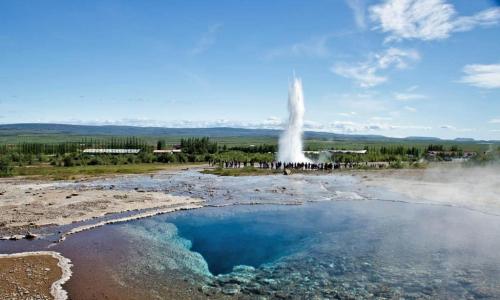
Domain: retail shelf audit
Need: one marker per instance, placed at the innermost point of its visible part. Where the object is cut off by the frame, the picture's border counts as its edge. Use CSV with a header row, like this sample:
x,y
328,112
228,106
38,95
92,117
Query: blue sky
x,y
391,67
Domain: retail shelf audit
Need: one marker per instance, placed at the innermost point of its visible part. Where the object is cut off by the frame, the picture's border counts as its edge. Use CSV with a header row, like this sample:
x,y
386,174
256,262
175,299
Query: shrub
x,y
68,161
5,167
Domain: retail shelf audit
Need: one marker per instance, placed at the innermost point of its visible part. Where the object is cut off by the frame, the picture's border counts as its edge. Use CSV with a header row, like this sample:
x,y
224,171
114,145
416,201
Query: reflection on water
x,y
344,249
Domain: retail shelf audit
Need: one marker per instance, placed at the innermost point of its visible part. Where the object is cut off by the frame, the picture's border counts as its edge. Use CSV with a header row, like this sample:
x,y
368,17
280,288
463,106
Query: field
x,y
229,141
52,151
45,171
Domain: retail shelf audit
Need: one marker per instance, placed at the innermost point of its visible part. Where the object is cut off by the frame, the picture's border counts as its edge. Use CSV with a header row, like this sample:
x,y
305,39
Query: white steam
x,y
290,143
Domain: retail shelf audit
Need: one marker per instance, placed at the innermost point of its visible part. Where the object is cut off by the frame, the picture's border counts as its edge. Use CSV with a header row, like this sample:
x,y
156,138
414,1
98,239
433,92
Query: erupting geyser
x,y
290,144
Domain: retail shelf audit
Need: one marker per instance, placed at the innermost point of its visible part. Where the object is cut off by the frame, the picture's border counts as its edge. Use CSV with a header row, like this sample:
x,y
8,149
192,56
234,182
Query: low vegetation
x,y
75,172
66,159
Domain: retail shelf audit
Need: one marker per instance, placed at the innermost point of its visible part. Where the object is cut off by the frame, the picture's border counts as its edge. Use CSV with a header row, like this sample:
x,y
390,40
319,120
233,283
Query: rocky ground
x,y
27,205
28,277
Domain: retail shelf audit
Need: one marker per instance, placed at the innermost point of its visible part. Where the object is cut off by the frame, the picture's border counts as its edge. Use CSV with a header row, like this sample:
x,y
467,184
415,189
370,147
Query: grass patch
x,y
64,173
246,171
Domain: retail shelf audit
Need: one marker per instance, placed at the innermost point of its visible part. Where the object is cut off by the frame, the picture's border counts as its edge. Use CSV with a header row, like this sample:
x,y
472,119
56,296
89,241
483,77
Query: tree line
x,y
193,149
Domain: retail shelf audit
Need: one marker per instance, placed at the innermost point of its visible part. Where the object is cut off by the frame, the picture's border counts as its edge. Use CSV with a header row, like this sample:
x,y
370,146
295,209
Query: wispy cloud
x,y
494,121
313,47
355,127
483,76
410,108
366,73
347,114
359,12
269,123
426,19
448,127
378,119
488,17
454,128
207,40
408,96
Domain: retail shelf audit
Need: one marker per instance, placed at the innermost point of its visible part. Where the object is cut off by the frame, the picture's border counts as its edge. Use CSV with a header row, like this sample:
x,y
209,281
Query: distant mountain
x,y
112,130
89,130
422,138
464,139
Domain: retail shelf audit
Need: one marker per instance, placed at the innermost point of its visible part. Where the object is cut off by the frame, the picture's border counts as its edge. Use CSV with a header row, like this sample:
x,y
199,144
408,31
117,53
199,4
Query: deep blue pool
x,y
255,235
346,249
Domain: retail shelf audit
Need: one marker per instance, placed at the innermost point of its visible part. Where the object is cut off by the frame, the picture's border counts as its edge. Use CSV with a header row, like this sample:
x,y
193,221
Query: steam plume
x,y
290,143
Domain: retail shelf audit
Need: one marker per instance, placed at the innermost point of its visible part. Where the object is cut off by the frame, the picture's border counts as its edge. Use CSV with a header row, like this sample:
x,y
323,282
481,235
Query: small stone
x,y
30,236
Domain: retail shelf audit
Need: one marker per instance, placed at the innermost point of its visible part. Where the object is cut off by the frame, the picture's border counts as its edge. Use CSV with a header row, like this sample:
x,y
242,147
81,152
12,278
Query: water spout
x,y
290,143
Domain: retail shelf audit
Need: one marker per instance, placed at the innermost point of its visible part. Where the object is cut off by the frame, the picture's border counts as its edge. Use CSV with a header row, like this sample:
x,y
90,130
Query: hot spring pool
x,y
357,249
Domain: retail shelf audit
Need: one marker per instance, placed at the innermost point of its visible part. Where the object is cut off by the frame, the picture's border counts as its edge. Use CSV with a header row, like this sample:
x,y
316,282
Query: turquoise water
x,y
360,249
253,236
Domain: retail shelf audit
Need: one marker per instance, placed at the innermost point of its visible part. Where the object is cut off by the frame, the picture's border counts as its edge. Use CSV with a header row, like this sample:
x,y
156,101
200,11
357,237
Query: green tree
x,y
5,167
160,145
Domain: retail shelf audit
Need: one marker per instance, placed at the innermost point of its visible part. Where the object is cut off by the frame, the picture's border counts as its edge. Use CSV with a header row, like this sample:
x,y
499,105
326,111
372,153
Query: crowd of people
x,y
278,165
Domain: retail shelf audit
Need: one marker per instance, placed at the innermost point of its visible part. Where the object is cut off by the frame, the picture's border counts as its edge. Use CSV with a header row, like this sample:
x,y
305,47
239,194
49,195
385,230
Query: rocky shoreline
x,y
27,206
138,216
34,275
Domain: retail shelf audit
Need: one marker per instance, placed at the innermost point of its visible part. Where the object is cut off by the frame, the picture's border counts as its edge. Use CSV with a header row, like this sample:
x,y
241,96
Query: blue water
x,y
253,236
331,249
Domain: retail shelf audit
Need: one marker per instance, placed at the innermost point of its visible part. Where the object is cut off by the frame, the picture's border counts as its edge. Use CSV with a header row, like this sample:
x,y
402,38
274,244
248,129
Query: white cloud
x,y
412,88
314,47
488,17
494,121
366,73
483,76
451,127
207,40
354,127
270,123
397,57
381,118
408,96
395,114
347,114
358,9
426,19
410,108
